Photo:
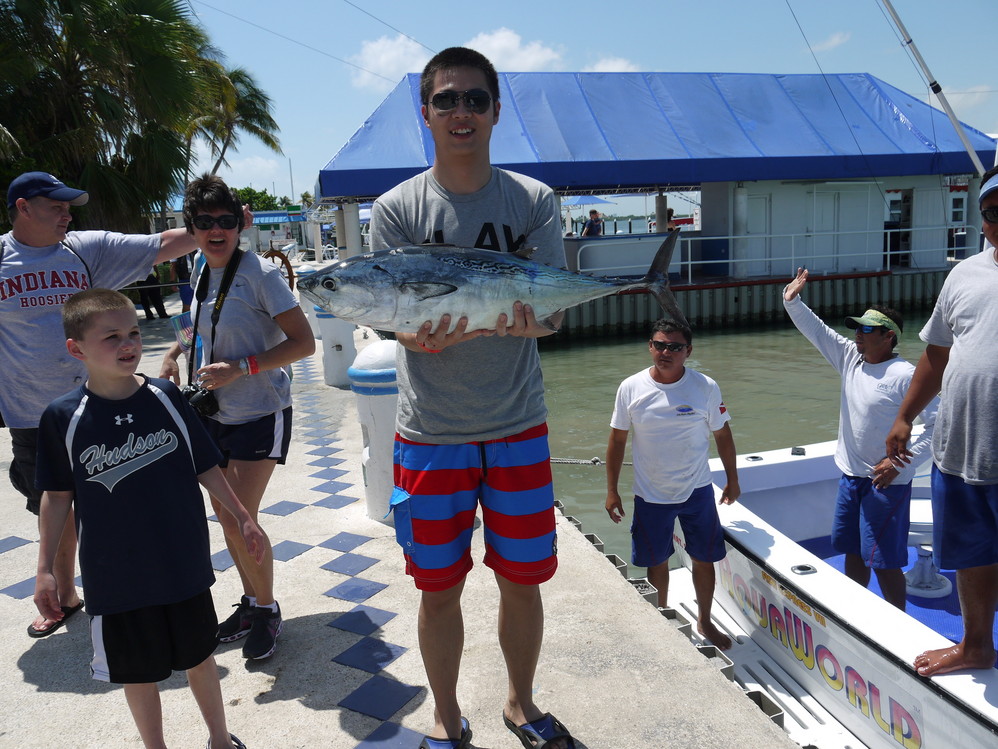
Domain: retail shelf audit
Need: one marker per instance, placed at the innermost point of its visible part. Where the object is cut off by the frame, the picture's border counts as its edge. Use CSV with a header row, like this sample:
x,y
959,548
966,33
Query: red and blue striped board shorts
x,y
436,496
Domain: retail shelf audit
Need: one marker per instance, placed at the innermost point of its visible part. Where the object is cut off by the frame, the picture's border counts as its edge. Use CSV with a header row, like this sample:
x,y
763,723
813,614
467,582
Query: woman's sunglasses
x,y
204,222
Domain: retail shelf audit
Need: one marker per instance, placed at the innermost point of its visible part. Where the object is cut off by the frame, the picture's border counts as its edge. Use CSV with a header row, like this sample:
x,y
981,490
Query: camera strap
x,y
201,293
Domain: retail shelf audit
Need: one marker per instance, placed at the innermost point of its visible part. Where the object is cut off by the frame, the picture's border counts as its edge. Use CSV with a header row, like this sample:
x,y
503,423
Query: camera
x,y
201,399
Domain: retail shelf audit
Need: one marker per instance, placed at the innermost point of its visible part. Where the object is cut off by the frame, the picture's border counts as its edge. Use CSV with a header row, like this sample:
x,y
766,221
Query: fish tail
x,y
657,279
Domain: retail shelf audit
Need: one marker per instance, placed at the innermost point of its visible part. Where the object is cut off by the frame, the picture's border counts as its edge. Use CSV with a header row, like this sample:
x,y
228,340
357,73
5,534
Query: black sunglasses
x,y
475,99
990,215
669,346
204,222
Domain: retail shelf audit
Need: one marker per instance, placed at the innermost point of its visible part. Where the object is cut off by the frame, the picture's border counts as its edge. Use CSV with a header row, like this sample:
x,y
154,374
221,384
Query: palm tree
x,y
246,109
107,94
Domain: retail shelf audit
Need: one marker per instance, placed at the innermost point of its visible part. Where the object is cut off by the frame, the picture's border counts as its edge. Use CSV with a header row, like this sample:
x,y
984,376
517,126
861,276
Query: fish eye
x,y
329,283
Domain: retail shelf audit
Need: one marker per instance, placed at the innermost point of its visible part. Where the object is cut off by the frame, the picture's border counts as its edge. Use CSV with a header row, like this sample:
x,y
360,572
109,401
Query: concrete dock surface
x,y
347,672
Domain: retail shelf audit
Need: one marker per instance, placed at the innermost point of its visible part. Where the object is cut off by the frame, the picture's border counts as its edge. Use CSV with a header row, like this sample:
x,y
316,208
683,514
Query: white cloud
x,y
387,58
259,172
611,65
507,51
835,40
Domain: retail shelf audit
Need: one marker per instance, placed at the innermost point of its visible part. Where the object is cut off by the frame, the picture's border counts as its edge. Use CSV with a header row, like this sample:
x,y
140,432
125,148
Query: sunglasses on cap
x,y
475,99
990,214
669,346
205,222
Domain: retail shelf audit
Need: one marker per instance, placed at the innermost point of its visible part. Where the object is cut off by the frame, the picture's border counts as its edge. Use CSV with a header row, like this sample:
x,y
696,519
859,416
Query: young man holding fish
x,y
472,420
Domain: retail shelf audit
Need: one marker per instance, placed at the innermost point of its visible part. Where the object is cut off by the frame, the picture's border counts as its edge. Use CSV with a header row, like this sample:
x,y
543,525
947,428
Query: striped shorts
x,y
437,490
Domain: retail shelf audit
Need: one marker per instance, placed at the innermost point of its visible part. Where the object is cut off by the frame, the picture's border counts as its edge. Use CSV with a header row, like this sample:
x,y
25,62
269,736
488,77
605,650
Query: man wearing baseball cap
x,y
41,265
961,362
870,524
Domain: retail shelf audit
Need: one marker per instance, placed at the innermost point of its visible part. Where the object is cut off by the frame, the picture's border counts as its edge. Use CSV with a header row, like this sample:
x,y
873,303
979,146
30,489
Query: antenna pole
x,y
936,89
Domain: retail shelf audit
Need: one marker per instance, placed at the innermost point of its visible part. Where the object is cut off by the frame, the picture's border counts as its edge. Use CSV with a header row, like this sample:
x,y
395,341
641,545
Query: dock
x,y
347,673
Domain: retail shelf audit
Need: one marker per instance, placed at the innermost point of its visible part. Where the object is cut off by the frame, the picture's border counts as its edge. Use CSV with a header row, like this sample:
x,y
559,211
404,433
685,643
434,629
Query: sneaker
x,y
236,626
265,626
235,742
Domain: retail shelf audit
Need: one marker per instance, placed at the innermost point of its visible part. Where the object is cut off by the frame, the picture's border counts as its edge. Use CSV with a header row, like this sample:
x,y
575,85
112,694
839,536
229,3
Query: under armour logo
x,y
122,419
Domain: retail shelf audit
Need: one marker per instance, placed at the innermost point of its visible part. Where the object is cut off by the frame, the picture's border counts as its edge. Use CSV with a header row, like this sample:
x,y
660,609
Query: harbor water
x,y
778,389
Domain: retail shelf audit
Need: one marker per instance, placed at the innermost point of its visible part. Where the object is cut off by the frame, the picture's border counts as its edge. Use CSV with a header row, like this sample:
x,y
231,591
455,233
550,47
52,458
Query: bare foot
x,y
716,637
944,660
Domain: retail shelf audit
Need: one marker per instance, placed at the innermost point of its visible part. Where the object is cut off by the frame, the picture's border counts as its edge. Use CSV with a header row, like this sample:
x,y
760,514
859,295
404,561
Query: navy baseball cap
x,y
32,184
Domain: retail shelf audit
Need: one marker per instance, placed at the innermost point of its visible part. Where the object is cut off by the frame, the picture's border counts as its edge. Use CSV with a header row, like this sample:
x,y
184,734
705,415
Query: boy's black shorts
x,y
148,644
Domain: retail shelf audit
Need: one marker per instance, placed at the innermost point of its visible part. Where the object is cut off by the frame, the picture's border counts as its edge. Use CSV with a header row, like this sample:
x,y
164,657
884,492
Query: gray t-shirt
x,y
489,387
965,319
35,282
246,327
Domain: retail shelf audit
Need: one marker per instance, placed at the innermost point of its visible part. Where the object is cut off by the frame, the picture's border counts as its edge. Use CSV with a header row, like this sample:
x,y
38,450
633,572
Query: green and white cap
x,y
875,318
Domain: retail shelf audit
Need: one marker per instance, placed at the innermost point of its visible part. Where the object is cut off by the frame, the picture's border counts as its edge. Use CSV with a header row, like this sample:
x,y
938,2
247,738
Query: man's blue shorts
x,y
964,522
872,523
653,523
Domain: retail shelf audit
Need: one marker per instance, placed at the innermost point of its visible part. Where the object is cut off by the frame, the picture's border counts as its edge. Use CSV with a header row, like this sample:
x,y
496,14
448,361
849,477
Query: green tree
x,y
99,92
306,199
258,200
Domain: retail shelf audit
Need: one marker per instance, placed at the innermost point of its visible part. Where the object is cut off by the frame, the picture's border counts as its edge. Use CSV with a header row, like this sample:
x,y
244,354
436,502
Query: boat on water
x,y
833,656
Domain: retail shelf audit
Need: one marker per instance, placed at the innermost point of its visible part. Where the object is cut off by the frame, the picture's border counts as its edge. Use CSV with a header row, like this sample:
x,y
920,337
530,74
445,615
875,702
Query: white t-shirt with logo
x,y
672,425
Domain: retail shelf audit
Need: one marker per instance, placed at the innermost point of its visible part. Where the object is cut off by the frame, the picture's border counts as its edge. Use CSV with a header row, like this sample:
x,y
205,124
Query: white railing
x,y
761,255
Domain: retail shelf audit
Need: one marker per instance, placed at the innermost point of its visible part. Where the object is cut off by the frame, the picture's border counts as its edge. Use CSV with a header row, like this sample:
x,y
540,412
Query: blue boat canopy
x,y
605,132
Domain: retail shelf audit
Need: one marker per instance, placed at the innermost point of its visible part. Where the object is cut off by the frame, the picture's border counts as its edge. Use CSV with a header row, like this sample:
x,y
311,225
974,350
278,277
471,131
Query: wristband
x,y
254,368
427,349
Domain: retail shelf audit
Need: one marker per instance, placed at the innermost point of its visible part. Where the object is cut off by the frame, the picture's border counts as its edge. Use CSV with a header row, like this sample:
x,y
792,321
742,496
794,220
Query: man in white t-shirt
x,y
673,411
960,363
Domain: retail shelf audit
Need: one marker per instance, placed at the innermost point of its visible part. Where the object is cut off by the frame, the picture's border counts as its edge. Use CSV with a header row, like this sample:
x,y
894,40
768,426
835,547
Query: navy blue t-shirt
x,y
132,465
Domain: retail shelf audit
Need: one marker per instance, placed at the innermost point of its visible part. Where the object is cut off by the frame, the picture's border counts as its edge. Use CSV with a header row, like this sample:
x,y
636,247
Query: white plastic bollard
x,y
304,271
372,379
338,348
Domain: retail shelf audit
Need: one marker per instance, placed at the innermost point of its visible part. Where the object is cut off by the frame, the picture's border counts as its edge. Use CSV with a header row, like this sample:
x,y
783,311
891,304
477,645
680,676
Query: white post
x,y
739,228
373,381
661,213
351,230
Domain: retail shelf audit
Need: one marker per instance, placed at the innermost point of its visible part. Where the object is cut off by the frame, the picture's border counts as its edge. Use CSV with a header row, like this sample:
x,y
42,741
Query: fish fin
x,y
524,253
657,278
427,289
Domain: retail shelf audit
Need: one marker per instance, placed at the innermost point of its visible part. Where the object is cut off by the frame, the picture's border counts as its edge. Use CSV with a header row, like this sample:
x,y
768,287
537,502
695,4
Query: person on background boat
x,y
35,367
670,222
872,507
249,333
594,226
471,416
960,363
673,411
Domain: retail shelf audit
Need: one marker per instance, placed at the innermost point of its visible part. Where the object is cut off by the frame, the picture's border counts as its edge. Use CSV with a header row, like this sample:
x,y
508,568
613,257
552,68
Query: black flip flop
x,y
464,742
531,734
67,611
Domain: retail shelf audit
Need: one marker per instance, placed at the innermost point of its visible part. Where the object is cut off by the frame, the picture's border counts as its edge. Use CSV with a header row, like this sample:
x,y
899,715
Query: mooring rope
x,y
579,462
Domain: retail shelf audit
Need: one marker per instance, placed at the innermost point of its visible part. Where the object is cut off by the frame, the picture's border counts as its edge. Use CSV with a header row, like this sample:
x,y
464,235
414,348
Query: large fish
x,y
400,289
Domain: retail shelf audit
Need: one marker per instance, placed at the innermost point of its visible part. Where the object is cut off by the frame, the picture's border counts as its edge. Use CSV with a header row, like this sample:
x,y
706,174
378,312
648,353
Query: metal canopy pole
x,y
936,89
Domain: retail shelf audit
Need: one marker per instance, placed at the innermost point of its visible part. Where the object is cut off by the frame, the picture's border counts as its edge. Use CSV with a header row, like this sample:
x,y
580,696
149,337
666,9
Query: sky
x,y
328,64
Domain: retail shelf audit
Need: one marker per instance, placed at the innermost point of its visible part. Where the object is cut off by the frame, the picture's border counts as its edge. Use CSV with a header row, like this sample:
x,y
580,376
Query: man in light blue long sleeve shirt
x,y
871,512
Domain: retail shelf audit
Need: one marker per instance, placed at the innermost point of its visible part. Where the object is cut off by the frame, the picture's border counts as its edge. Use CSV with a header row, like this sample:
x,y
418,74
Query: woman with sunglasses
x,y
249,330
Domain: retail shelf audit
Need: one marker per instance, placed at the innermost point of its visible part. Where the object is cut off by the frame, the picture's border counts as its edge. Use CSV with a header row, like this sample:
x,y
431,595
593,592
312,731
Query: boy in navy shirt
x,y
127,453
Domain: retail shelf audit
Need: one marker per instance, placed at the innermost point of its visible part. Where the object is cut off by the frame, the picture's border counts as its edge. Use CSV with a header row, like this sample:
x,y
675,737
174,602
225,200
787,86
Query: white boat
x,y
835,657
